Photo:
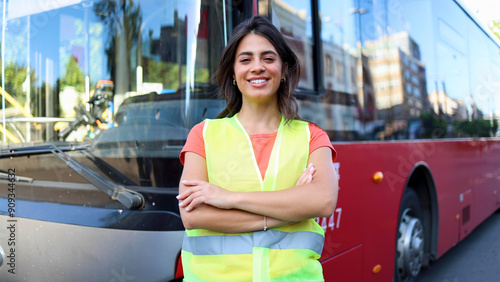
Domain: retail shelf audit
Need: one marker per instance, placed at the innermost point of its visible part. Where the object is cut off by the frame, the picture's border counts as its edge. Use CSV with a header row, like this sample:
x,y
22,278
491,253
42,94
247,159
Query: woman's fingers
x,y
190,184
199,192
192,202
307,175
187,200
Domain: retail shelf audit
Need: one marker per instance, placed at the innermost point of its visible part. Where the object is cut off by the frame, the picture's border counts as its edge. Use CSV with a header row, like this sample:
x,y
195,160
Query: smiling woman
x,y
246,174
112,89
92,115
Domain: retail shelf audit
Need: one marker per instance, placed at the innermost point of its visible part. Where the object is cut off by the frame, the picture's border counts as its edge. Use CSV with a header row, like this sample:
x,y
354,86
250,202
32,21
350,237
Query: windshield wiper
x,y
36,150
128,198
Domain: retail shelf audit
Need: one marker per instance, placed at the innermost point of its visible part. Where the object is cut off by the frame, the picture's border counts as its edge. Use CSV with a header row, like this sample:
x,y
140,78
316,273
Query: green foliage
x,y
15,76
495,27
168,73
123,20
74,76
433,126
165,72
437,127
476,128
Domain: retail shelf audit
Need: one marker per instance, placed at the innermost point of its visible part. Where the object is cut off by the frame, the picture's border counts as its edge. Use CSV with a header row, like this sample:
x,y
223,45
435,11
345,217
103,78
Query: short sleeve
x,y
195,142
319,139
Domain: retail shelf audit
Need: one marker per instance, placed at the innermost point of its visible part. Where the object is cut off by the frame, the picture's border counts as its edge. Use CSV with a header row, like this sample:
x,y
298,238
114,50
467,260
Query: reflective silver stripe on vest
x,y
243,244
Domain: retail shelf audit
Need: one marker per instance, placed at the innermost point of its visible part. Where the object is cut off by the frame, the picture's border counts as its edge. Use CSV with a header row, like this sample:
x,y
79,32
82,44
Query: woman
x,y
254,179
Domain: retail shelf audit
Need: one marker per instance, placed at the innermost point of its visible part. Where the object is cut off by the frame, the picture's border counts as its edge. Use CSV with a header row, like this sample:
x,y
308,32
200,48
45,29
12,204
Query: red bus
x,y
98,98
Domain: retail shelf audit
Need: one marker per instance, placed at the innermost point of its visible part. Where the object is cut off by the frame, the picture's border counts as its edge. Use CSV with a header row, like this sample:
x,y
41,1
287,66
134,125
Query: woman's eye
x,y
269,59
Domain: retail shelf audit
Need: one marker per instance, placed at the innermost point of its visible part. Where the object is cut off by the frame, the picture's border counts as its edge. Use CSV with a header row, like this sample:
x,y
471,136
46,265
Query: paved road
x,y
476,258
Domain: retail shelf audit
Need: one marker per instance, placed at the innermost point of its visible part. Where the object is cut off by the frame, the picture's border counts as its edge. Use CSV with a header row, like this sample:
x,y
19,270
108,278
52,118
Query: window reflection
x,y
128,77
90,61
440,71
108,71
403,70
340,75
293,19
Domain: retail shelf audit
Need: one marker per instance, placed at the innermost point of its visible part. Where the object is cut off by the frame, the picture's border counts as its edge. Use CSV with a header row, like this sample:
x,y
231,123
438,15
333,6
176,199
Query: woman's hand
x,y
307,175
201,192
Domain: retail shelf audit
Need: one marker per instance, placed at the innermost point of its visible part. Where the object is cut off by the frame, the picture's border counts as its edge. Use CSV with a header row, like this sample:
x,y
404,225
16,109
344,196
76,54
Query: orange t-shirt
x,y
262,144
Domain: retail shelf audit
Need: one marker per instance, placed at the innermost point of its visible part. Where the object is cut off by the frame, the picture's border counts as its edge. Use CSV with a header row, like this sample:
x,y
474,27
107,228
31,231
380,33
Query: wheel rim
x,y
410,246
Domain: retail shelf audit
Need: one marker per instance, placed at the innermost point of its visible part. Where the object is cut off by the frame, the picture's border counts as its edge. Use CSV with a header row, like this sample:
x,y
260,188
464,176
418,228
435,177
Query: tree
x,y
15,78
123,20
476,128
433,126
74,76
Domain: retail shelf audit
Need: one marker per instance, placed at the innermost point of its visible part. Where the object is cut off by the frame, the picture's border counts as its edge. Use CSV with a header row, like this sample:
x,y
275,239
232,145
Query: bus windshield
x,y
128,77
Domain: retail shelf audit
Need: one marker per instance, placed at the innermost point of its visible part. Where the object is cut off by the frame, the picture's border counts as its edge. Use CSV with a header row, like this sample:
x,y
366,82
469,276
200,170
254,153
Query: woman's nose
x,y
258,67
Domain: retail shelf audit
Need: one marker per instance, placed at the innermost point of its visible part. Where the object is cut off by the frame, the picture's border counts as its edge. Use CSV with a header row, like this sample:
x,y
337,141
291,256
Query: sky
x,y
485,10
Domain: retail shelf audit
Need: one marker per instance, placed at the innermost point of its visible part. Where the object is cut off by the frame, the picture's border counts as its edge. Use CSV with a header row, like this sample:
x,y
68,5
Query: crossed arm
x,y
204,205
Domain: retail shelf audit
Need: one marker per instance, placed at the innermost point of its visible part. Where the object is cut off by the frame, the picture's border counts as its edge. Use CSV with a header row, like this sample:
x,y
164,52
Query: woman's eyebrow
x,y
261,53
268,52
245,53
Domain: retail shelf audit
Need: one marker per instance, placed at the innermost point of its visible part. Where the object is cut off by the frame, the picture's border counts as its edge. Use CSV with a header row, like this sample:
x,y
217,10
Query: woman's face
x,y
257,69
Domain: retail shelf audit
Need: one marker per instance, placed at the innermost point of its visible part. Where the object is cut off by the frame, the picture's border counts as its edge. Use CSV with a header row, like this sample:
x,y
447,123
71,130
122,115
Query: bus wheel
x,y
410,238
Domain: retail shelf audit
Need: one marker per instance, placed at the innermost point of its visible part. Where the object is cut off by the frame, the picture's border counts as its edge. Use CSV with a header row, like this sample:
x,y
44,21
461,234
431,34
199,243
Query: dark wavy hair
x,y
257,24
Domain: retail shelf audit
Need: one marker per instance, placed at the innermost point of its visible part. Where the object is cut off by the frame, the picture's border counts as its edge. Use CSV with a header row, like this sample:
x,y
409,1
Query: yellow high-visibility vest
x,y
287,253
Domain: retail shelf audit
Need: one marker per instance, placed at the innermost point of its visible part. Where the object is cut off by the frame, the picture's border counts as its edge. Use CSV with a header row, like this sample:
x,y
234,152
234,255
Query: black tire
x,y
410,239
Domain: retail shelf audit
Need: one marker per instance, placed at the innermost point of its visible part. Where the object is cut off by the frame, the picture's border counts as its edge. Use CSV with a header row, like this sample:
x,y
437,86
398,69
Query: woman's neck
x,y
260,120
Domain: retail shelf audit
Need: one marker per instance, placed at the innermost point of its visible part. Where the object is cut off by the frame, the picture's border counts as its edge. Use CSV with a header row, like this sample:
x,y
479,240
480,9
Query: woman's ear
x,y
285,68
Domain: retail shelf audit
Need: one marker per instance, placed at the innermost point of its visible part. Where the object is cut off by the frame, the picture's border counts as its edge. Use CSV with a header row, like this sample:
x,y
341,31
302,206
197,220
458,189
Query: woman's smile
x,y
258,82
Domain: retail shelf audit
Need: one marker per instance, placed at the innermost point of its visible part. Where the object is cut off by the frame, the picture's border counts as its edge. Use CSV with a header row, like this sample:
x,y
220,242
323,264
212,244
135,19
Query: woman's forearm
x,y
294,204
227,221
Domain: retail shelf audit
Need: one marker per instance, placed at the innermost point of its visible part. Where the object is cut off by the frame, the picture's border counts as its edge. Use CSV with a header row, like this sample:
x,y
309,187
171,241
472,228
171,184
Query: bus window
x,y
129,79
343,115
293,19
443,69
157,67
398,71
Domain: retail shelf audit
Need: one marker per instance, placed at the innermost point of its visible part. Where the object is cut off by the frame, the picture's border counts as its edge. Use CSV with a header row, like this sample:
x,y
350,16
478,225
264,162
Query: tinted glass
x,y
396,70
293,19
341,74
129,78
446,60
